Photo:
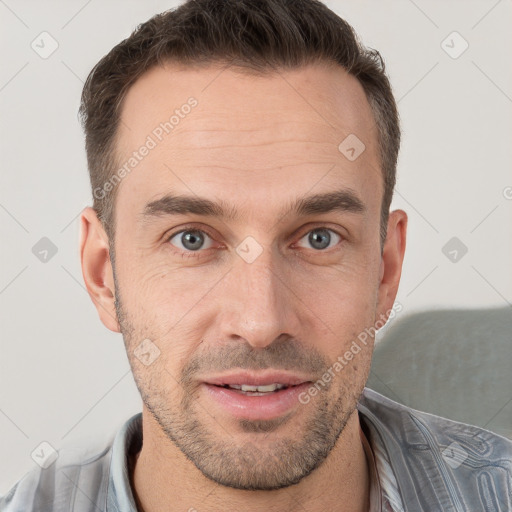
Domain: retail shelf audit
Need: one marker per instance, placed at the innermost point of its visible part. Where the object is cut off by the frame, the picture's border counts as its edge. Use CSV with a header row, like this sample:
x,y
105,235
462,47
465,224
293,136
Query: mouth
x,y
249,390
259,379
256,396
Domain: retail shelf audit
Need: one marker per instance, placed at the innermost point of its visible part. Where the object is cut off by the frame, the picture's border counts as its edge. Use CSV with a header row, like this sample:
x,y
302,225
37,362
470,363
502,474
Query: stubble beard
x,y
259,463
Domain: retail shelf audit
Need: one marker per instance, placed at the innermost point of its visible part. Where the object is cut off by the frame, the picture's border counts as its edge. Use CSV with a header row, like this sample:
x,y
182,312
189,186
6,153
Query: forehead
x,y
245,138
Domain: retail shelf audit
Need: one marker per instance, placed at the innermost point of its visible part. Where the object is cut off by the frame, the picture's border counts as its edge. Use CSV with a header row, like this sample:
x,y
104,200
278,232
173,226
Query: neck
x,y
163,479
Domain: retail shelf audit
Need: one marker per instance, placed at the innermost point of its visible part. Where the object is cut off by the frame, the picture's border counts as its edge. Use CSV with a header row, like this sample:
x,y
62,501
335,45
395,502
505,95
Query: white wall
x,y
63,376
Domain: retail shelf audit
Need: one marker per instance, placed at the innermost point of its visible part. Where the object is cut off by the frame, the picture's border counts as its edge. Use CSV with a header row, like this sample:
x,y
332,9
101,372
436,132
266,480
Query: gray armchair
x,y
452,363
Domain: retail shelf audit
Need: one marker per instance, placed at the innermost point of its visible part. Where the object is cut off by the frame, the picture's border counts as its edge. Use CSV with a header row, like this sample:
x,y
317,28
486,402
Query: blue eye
x,y
190,240
320,238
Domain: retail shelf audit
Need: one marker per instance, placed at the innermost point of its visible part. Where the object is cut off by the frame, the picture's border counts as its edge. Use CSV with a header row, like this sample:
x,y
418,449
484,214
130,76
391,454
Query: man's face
x,y
269,293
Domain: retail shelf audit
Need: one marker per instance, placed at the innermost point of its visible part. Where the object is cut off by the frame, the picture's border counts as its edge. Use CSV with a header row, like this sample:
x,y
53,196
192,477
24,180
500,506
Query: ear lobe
x,y
391,261
97,269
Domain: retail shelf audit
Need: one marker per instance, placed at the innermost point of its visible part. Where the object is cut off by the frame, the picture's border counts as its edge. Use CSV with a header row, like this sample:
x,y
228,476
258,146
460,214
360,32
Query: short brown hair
x,y
255,34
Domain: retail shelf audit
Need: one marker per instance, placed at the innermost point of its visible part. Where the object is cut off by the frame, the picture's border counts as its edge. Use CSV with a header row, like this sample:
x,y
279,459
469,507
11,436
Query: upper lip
x,y
257,379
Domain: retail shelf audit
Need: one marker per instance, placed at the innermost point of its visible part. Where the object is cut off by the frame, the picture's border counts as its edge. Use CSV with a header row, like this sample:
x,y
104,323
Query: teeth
x,y
259,389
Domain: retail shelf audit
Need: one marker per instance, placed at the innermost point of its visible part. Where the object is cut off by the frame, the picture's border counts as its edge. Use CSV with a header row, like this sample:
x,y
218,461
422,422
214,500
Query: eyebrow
x,y
344,200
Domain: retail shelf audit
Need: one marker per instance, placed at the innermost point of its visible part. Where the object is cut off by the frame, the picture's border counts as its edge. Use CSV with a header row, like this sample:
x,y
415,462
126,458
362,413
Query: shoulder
x,y
439,463
413,426
77,480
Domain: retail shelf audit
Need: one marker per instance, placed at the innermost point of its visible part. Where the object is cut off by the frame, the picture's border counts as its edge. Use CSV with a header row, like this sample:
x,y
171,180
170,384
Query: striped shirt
x,y
417,461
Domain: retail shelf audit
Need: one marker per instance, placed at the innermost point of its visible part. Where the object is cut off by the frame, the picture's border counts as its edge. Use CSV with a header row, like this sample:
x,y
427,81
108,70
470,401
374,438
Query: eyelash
x,y
199,253
188,254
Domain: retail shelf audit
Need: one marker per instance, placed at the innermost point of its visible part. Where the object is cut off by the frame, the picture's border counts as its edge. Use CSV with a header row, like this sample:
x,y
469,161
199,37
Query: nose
x,y
258,304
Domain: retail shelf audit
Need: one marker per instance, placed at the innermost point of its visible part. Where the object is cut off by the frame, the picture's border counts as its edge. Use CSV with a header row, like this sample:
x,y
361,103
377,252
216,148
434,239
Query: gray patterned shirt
x,y
418,462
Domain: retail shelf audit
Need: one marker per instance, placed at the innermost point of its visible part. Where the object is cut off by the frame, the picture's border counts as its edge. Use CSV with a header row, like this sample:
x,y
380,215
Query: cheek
x,y
166,305
152,284
341,304
342,292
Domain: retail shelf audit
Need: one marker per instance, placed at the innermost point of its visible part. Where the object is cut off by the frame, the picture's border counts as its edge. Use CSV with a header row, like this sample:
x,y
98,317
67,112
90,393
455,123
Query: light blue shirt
x,y
418,462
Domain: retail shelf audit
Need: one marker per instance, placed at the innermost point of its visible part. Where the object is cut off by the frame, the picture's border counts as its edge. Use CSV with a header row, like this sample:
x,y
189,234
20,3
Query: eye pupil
x,y
320,238
192,240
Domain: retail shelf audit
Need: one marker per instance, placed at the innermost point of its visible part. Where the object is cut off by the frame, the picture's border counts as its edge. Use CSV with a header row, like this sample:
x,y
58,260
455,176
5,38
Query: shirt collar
x,y
375,489
128,442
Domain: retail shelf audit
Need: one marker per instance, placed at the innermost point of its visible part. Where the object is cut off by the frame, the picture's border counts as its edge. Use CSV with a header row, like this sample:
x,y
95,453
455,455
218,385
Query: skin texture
x,y
255,143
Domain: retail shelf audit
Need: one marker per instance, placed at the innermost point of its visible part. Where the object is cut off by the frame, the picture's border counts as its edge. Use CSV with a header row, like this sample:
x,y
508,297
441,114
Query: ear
x,y
391,262
96,267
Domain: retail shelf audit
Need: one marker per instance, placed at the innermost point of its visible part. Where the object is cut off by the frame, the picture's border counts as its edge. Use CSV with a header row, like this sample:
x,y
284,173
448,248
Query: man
x,y
242,158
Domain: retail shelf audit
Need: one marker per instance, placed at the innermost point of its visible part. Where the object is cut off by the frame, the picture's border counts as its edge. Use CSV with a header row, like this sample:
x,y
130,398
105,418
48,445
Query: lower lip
x,y
255,407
